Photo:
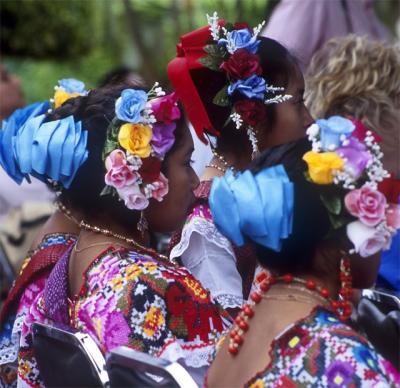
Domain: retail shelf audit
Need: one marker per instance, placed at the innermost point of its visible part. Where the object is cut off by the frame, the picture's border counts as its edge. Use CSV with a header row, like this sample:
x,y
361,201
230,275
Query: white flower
x,y
237,119
214,27
367,240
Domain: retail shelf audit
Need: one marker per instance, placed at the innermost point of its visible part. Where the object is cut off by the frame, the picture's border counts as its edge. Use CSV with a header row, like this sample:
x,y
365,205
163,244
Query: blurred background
x,y
46,40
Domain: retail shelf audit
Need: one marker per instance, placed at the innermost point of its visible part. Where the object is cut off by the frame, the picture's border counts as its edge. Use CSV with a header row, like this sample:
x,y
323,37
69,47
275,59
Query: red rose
x,y
150,169
242,64
240,26
252,112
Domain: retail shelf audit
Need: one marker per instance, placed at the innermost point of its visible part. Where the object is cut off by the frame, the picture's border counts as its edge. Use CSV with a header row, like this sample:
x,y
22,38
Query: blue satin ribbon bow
x,y
53,150
257,206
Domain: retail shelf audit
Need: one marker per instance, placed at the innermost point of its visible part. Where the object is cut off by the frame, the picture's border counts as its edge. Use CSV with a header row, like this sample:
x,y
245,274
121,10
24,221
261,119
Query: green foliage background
x,y
46,40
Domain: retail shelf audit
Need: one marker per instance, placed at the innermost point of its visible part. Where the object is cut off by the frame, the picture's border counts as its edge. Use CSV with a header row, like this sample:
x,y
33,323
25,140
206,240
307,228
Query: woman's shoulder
x,y
125,268
323,351
158,308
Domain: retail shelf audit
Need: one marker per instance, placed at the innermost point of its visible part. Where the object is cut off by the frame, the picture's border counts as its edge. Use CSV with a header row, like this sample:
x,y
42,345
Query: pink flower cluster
x,y
377,220
136,179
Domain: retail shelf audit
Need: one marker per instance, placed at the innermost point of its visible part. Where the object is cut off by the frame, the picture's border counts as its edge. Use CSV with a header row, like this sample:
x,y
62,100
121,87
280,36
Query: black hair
x,y
278,66
311,222
121,75
96,111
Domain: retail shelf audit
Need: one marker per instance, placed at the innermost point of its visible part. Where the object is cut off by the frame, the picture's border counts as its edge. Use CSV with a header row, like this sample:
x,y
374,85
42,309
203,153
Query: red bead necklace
x,y
342,308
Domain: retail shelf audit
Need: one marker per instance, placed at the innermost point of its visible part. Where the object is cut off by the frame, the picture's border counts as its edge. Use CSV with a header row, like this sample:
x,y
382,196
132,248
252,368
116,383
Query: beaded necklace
x,y
342,308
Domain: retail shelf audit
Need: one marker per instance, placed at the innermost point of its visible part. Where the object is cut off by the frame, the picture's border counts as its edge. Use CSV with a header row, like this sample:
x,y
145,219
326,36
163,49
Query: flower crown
x,y
234,51
67,88
347,155
137,140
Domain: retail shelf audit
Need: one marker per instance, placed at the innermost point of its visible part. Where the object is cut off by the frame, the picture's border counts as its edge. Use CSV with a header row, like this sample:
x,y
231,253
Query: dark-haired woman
x,y
271,111
127,166
321,237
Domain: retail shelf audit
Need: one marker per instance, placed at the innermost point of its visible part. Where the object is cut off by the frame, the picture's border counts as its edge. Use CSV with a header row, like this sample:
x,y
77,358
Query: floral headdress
x,y
67,88
234,52
138,138
347,156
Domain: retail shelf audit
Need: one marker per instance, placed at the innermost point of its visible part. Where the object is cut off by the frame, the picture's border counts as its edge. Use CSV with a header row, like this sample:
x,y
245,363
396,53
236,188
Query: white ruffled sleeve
x,y
211,259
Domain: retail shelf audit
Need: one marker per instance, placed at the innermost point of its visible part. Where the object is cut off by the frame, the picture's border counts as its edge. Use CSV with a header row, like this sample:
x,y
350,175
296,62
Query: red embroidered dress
x,y
128,299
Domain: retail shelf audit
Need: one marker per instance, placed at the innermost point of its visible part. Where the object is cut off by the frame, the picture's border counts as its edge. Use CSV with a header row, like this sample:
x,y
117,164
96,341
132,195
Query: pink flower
x,y
161,188
393,216
119,174
133,197
367,204
165,109
366,240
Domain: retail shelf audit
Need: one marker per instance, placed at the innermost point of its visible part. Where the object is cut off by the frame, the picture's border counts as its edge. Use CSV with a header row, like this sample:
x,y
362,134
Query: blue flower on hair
x,y
72,85
257,206
252,87
129,106
7,134
238,39
332,130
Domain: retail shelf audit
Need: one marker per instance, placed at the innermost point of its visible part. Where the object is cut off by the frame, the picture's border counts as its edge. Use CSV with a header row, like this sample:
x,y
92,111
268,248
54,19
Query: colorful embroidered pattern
x,y
320,351
133,300
29,284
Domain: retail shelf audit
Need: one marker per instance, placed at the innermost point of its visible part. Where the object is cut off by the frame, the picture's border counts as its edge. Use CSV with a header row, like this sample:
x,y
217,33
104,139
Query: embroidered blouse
x,y
321,351
30,282
211,257
129,299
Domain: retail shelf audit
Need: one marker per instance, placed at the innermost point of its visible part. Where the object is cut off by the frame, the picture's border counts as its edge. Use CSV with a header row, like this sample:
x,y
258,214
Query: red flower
x,y
150,169
361,131
242,64
252,112
165,109
390,187
240,25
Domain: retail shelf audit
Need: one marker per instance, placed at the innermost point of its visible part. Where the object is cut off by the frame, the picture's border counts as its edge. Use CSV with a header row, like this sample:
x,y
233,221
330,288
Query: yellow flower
x,y
60,96
322,165
135,138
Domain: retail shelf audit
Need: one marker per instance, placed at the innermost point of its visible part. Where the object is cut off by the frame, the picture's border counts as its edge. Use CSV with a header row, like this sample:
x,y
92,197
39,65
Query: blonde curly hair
x,y
358,77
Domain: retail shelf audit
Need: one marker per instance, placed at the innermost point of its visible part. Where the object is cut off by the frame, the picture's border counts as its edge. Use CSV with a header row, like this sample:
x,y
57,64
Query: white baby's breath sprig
x,y
237,119
156,91
257,30
214,27
253,140
273,89
135,162
277,99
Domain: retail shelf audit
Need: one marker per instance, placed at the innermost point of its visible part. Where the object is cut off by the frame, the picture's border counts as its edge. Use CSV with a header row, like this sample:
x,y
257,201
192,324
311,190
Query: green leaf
x,y
338,221
210,63
222,98
108,190
333,203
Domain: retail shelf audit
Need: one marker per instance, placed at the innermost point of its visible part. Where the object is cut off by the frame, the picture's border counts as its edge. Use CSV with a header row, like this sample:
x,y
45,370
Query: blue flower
x,y
339,373
252,87
72,85
240,39
332,130
129,106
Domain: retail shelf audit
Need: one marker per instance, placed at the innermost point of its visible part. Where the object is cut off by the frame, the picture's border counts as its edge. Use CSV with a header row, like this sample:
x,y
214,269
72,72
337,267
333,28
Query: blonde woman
x,y
358,77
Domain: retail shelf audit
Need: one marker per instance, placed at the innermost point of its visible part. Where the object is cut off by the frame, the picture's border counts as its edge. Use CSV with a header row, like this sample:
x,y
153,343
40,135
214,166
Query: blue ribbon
x,y
53,150
257,206
7,133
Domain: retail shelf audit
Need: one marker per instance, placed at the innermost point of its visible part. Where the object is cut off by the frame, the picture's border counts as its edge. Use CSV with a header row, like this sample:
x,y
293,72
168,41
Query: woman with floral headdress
x,y
319,238
121,156
59,231
247,91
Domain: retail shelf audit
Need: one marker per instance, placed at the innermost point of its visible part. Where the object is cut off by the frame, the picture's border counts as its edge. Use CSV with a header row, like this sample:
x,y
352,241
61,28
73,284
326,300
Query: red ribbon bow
x,y
189,51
